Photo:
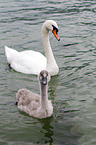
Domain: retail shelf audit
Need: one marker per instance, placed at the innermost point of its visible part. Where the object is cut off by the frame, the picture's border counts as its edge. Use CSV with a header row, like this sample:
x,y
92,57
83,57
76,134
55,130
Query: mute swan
x,y
33,104
32,62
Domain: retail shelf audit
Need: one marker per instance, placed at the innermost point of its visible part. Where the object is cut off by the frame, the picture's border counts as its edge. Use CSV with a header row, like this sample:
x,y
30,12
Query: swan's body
x,y
32,62
33,104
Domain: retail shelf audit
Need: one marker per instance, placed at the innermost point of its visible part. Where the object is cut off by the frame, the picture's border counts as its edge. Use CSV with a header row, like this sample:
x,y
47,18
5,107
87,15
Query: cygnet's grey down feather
x,y
33,104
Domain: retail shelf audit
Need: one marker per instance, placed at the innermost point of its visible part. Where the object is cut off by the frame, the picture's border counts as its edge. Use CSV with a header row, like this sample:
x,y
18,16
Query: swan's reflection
x,y
47,130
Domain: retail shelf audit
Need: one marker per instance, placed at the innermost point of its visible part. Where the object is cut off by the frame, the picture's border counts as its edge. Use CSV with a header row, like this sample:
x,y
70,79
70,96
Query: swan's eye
x,y
55,32
54,28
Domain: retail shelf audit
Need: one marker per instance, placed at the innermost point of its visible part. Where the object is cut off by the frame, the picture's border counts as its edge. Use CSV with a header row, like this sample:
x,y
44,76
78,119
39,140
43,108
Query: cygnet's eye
x,y
40,78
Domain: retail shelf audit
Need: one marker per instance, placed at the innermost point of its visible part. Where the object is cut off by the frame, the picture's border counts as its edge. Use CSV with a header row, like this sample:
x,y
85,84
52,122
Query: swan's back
x,y
28,101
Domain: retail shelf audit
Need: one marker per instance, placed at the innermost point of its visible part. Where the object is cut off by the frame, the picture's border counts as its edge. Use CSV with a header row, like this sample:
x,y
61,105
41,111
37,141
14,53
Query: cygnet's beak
x,y
56,34
44,81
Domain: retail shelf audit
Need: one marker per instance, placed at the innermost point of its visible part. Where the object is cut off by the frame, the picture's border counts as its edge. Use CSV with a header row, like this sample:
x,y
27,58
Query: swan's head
x,y
44,77
51,25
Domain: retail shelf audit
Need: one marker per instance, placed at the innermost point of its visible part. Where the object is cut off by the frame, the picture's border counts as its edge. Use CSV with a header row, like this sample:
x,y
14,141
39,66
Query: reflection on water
x,y
72,91
47,131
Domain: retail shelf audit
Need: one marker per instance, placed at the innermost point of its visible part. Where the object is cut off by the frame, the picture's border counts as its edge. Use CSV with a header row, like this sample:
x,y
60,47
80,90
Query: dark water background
x,y
72,91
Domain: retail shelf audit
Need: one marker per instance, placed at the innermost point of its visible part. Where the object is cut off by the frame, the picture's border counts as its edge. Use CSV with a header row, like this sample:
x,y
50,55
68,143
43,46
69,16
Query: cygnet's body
x,y
33,104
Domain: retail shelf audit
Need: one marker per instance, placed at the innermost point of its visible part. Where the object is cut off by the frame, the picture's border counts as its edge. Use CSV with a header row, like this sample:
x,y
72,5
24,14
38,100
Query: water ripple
x,y
72,91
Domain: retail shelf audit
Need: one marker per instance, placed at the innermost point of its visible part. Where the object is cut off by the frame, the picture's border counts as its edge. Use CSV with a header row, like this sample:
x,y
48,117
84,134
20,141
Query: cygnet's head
x,y
44,77
51,25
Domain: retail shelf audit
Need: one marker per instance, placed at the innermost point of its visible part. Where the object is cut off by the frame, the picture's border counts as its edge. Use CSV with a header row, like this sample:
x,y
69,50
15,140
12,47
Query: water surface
x,y
72,91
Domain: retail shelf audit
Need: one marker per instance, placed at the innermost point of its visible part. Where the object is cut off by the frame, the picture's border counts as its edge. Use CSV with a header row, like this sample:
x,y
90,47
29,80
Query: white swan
x,y
36,105
32,62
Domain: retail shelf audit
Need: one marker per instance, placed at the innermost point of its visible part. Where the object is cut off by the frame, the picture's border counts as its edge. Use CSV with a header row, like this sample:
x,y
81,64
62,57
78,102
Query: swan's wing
x,y
28,101
10,54
29,62
32,53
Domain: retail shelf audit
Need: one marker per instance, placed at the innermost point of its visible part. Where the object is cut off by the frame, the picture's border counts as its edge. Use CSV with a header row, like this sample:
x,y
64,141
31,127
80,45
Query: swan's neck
x,y
51,63
44,96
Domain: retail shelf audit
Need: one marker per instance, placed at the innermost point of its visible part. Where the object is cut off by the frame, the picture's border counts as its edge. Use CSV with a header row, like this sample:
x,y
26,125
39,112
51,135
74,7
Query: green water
x,y
72,91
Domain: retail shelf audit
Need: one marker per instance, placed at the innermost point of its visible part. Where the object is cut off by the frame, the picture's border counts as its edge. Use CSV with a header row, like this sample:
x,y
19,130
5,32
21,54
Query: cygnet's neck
x,y
51,63
44,96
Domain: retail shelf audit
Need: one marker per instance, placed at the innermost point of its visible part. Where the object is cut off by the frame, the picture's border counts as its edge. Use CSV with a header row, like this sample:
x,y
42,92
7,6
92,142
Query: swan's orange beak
x,y
56,34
